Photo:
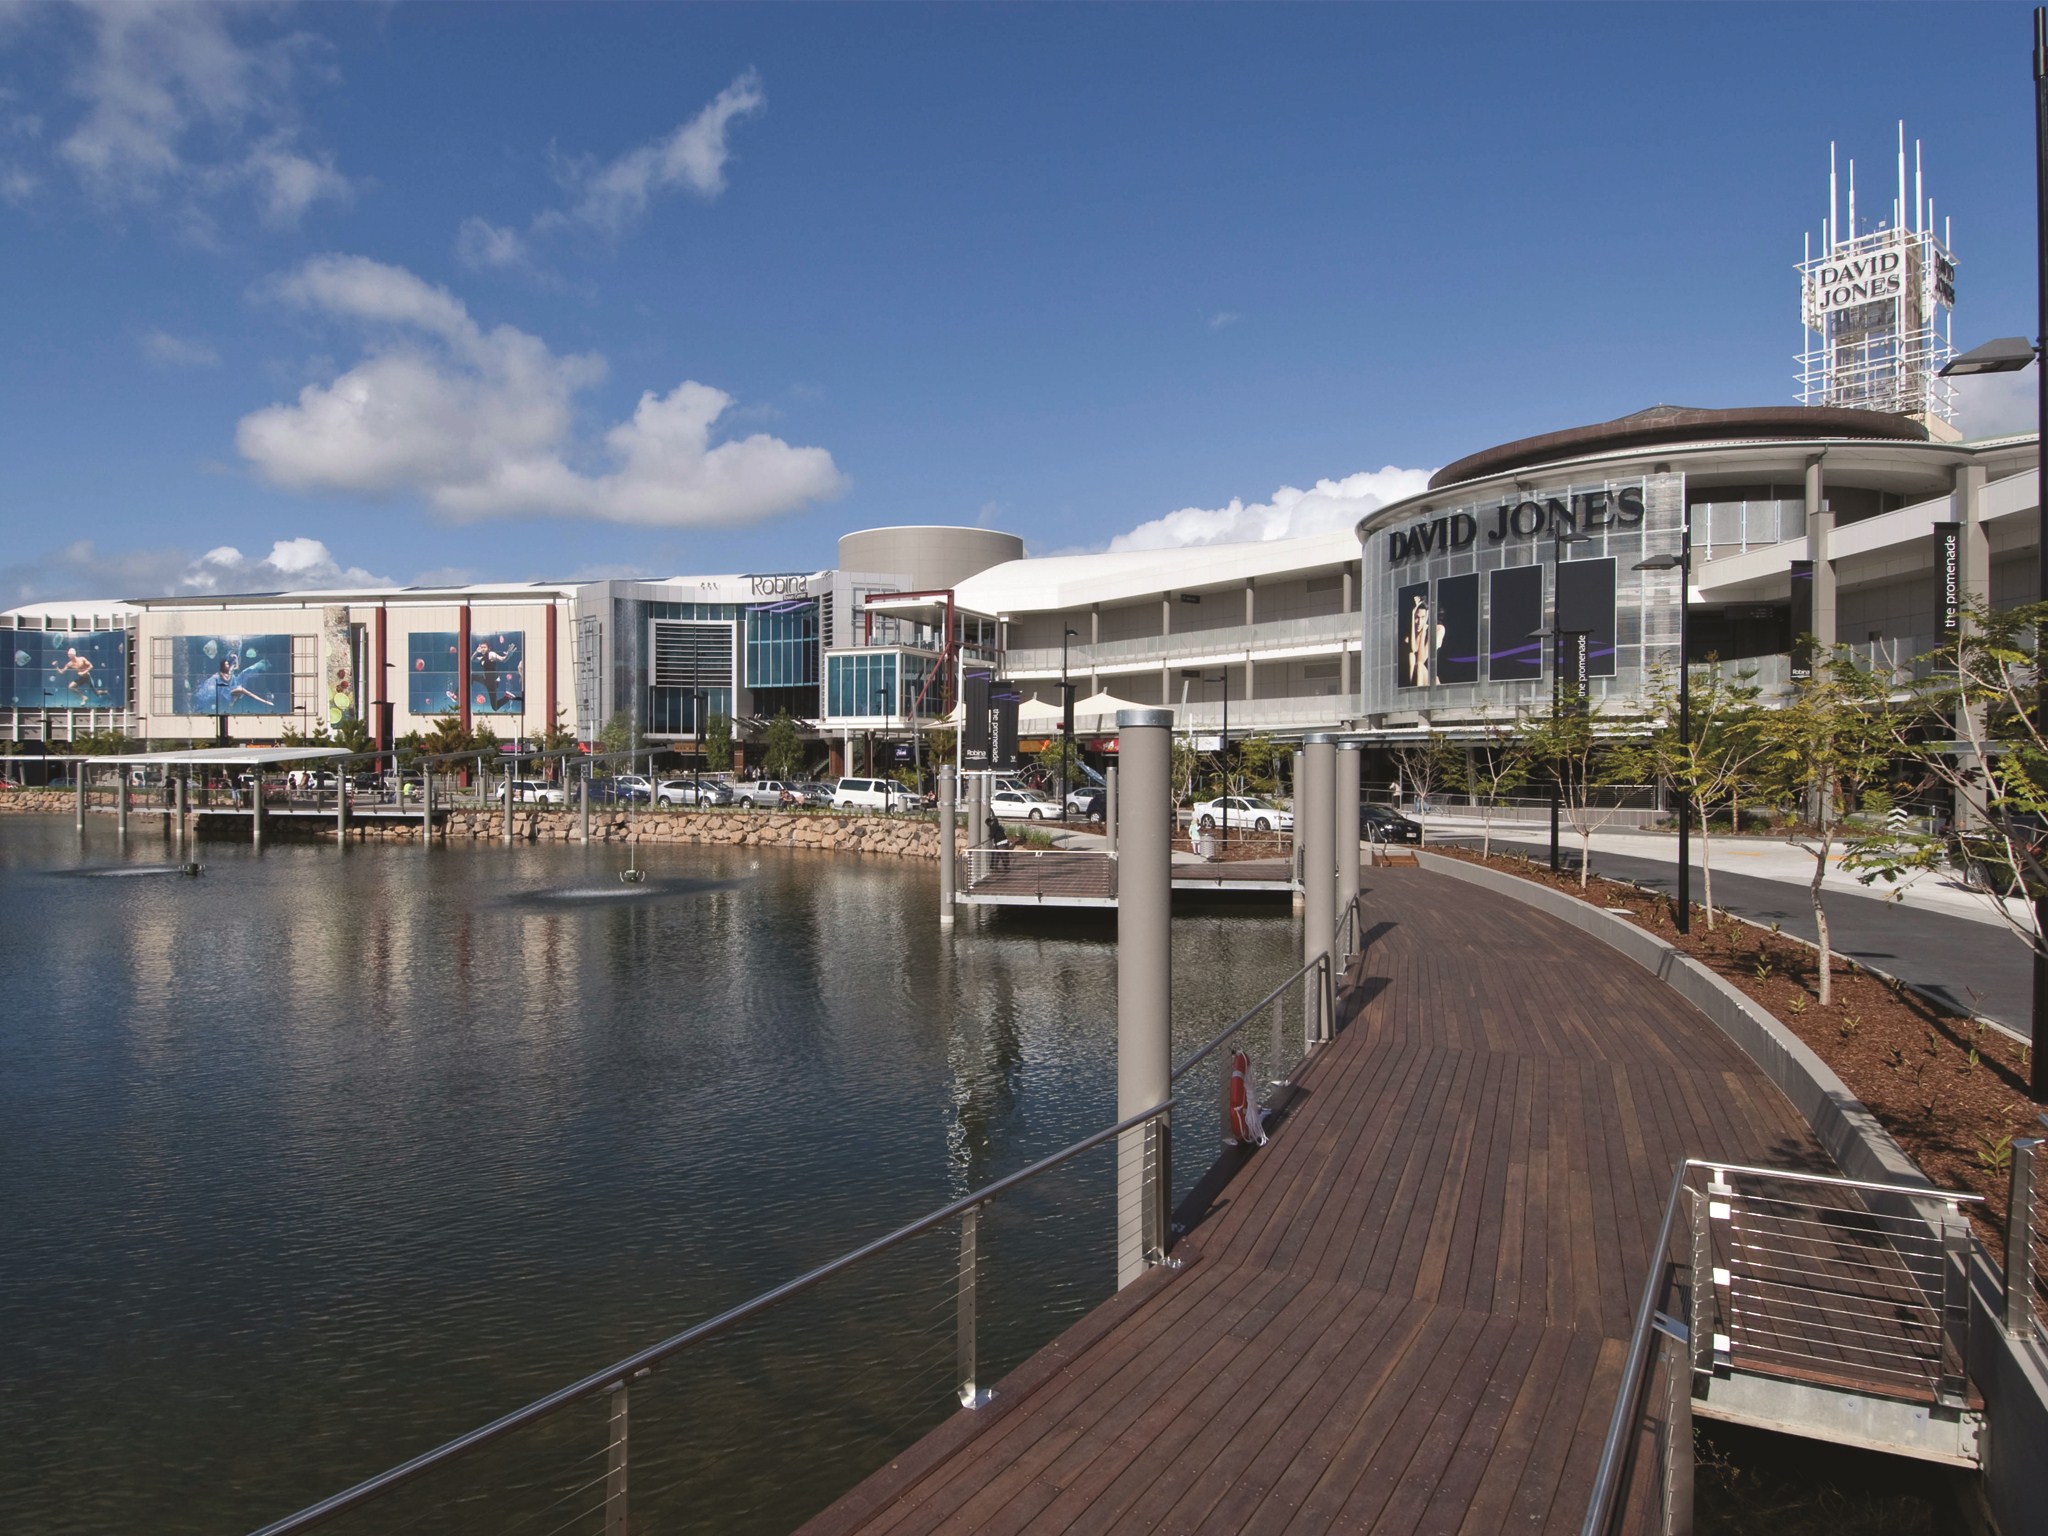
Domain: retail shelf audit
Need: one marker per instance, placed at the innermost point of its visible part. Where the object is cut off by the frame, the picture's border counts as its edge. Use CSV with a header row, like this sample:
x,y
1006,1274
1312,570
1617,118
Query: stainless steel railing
x,y
611,1486
1043,873
2026,1244
1838,1282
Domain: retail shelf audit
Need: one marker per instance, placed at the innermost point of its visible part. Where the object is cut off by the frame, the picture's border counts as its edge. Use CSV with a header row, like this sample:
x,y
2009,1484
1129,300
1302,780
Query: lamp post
x,y
2009,354
1580,684
1223,741
1066,717
1682,563
1559,537
698,699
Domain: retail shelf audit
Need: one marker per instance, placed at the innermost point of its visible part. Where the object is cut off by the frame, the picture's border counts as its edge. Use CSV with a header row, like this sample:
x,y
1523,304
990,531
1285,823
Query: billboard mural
x,y
1585,606
1416,633
497,672
60,669
232,674
1457,611
337,645
1514,610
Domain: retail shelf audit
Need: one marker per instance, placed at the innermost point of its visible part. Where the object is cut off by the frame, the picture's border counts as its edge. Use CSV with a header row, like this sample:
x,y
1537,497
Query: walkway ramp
x,y
1410,1310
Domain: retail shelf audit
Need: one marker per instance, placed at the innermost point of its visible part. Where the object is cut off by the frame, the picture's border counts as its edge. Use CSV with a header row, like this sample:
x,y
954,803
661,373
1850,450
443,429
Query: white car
x,y
1021,805
872,795
1245,811
769,793
537,792
693,792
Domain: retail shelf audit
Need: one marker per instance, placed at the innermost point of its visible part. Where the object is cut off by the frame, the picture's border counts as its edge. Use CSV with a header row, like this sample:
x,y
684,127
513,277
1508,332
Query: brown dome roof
x,y
1680,424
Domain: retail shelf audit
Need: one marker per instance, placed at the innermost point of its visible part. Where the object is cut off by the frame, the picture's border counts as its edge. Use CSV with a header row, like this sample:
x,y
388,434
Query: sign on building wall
x,y
1802,620
497,672
232,675
59,669
1948,576
337,665
1514,603
988,724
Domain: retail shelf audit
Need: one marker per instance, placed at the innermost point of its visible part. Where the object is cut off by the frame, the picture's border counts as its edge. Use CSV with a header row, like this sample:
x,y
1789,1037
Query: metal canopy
x,y
215,757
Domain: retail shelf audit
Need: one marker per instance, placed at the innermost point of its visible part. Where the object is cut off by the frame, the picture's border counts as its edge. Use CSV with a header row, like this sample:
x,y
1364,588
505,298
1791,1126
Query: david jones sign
x,y
1858,280
1587,512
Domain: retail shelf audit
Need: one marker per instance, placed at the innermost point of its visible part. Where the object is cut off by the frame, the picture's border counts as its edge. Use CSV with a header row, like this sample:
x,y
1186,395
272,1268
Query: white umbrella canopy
x,y
1102,708
1035,712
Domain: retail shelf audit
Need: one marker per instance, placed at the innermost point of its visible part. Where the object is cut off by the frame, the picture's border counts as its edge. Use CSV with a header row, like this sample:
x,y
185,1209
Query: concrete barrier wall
x,y
2011,1373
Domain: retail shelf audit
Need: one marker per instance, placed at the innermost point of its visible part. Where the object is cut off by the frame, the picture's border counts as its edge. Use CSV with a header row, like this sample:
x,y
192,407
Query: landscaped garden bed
x,y
1950,1089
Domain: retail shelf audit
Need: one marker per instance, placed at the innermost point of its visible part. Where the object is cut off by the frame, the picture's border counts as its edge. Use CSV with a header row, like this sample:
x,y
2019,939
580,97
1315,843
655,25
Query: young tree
x,y
1499,765
620,734
718,743
1572,754
1826,746
1427,767
1258,765
782,751
1715,763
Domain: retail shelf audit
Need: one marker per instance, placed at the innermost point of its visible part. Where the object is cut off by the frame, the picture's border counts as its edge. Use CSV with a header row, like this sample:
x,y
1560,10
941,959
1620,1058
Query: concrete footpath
x,y
1938,937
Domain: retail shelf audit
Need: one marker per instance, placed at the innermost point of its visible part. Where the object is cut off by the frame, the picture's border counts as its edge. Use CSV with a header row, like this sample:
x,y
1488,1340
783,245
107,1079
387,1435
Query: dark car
x,y
1090,804
1383,824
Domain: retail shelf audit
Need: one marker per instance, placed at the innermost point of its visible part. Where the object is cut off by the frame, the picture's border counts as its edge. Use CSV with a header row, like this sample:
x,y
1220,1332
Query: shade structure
x,y
1035,716
1097,713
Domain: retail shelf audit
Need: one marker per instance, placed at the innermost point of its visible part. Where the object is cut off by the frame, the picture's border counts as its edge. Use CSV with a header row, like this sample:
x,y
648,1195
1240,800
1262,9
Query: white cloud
x,y
1995,404
163,350
83,571
611,197
1224,318
177,110
1290,514
481,423
483,246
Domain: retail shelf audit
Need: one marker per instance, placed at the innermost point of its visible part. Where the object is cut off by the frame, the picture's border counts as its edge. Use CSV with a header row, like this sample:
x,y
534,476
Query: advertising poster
x,y
433,672
1585,606
1457,612
497,672
1416,632
232,674
57,669
337,666
1514,610
1802,620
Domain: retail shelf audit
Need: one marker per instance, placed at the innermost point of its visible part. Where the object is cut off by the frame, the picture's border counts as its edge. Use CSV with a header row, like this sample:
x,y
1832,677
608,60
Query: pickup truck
x,y
763,792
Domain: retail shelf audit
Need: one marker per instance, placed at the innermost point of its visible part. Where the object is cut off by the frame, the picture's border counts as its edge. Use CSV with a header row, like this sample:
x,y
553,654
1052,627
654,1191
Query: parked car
x,y
763,792
811,792
538,792
694,792
1089,803
1246,812
872,795
1383,824
623,789
1021,805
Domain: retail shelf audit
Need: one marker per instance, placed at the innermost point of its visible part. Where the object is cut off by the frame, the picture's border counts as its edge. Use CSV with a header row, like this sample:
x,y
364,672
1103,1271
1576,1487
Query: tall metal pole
x,y
1684,919
508,804
1556,767
583,805
1066,719
426,805
1109,804
121,800
946,803
340,804
1315,821
184,805
2040,1030
1223,757
1144,972
79,771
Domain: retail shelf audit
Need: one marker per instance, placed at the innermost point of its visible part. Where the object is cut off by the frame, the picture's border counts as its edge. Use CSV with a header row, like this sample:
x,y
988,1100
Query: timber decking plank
x,y
1409,1309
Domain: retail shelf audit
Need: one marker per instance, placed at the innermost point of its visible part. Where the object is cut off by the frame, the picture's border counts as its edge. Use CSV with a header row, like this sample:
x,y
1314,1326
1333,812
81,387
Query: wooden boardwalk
x,y
1408,1312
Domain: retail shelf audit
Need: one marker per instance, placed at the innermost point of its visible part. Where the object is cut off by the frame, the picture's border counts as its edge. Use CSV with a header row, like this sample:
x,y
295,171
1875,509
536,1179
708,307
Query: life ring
x,y
1247,1121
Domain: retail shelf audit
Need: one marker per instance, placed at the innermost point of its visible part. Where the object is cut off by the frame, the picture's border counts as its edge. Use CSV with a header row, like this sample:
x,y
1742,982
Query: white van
x,y
871,795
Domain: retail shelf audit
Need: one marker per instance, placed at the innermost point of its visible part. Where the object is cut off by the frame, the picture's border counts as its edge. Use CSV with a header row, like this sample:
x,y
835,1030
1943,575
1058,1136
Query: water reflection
x,y
320,1160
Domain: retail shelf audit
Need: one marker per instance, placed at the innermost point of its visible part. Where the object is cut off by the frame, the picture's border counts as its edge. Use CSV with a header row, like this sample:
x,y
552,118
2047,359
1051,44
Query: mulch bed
x,y
1242,845
1950,1090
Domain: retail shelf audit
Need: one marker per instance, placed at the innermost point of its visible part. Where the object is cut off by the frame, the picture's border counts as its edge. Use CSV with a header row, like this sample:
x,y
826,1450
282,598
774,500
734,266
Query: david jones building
x,y
1859,516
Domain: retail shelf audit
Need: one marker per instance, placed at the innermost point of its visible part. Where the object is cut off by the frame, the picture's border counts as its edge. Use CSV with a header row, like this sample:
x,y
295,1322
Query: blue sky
x,y
435,291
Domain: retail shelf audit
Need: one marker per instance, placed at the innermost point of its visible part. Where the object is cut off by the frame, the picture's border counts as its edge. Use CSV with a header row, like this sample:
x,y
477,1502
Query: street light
x,y
2009,354
1066,718
1559,636
1682,563
1223,741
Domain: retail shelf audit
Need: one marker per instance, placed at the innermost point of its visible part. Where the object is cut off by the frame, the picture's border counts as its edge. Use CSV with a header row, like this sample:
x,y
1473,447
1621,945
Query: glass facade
x,y
782,644
1451,593
860,683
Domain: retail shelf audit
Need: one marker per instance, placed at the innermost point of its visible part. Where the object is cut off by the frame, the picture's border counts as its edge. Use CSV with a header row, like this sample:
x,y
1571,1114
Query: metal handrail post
x,y
1953,1388
617,1465
2019,1242
971,1396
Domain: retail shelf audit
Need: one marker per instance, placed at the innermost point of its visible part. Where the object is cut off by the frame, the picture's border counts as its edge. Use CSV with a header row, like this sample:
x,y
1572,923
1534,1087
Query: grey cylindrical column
x,y
947,798
80,776
1344,807
184,803
1144,970
583,805
340,804
426,806
508,806
1314,822
256,812
1109,805
121,799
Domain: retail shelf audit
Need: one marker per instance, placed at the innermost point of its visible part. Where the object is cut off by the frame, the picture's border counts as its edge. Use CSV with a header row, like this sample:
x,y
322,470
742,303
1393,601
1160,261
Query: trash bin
x,y
1209,846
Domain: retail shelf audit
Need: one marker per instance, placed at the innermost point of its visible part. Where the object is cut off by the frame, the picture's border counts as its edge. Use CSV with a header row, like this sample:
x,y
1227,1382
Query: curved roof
x,y
1680,424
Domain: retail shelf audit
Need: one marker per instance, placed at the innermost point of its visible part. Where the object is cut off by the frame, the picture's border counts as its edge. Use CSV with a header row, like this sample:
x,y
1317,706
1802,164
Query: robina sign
x,y
1585,512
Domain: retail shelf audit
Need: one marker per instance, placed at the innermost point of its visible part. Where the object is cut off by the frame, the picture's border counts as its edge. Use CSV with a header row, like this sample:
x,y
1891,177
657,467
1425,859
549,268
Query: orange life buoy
x,y
1247,1120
